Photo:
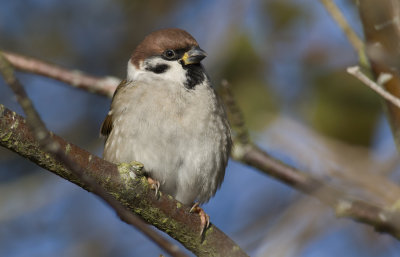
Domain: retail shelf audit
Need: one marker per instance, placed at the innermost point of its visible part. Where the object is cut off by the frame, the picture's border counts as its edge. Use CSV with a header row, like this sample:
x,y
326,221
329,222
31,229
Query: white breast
x,y
181,136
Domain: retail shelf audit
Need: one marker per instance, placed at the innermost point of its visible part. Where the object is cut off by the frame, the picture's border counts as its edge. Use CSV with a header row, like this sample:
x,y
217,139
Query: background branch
x,y
102,86
356,72
383,219
353,38
382,34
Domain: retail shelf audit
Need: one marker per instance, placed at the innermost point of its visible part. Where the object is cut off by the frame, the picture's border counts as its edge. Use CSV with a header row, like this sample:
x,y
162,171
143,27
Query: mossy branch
x,y
164,212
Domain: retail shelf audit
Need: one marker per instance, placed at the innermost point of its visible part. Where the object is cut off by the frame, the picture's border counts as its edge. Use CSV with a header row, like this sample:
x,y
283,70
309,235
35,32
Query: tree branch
x,y
382,79
102,86
382,34
382,219
353,38
164,212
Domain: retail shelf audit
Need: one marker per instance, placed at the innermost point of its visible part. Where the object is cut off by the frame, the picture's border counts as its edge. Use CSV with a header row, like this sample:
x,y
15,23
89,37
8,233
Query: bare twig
x,y
383,78
382,219
99,85
353,38
382,35
49,145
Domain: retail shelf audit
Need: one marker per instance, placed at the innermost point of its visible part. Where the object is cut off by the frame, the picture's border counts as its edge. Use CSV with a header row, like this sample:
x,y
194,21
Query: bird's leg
x,y
135,168
154,184
204,218
130,170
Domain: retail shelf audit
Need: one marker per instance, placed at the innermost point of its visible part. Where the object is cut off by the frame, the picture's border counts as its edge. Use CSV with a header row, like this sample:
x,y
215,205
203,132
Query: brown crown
x,y
159,41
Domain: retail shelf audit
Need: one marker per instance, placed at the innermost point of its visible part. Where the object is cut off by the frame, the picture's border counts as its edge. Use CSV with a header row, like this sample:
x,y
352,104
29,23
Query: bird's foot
x,y
155,185
130,170
204,218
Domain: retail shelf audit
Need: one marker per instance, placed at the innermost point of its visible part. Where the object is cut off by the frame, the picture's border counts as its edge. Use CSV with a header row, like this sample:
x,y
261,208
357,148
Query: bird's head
x,y
168,54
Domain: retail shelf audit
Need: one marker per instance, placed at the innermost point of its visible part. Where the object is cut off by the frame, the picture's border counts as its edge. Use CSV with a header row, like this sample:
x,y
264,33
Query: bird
x,y
167,115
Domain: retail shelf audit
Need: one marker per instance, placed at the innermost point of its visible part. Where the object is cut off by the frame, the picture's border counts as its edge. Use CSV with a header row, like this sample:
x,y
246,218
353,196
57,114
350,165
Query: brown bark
x,y
164,212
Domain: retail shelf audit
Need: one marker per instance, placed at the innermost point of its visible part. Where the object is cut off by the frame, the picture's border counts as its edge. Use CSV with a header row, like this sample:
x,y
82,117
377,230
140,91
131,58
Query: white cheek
x,y
133,73
175,72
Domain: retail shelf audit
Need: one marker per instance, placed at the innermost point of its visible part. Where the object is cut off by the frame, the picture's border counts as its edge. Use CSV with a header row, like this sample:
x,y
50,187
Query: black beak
x,y
194,55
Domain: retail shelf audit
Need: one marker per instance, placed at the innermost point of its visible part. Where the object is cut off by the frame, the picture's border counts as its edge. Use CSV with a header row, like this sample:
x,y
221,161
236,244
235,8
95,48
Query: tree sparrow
x,y
167,116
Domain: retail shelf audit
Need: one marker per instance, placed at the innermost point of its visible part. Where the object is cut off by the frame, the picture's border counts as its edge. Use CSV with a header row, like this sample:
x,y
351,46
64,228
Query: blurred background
x,y
286,61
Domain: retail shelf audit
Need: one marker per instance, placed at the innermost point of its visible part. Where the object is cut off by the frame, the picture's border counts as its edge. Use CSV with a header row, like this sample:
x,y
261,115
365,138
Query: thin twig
x,y
382,79
381,28
353,38
48,144
99,85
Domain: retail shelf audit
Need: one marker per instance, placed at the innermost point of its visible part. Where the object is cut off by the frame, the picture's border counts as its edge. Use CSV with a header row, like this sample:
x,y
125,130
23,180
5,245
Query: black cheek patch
x,y
160,68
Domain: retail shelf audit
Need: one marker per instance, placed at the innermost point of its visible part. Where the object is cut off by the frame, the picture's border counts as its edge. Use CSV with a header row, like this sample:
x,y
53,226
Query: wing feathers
x,y
107,124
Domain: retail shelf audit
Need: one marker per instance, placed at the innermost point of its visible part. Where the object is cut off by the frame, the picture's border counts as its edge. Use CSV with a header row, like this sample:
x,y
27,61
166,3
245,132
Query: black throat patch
x,y
195,75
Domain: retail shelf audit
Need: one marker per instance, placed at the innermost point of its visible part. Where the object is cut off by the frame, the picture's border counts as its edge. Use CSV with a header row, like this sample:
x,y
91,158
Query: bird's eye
x,y
169,54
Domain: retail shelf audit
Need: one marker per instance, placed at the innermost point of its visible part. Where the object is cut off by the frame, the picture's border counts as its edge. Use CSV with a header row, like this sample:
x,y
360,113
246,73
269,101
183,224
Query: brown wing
x,y
107,124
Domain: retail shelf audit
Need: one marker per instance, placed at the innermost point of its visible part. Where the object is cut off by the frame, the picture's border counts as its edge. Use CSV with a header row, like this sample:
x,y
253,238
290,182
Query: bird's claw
x,y
130,170
204,218
137,167
155,185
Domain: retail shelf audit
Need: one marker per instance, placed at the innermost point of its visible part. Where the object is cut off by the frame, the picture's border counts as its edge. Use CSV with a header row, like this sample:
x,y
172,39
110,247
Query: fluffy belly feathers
x,y
184,146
